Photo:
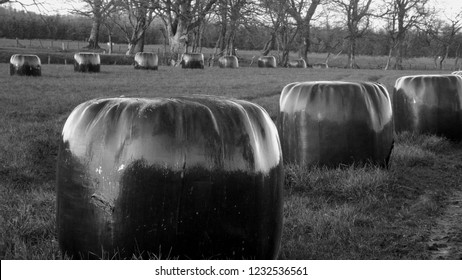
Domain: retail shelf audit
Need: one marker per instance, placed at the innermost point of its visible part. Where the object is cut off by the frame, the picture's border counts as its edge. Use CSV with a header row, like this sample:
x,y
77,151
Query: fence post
x,y
49,59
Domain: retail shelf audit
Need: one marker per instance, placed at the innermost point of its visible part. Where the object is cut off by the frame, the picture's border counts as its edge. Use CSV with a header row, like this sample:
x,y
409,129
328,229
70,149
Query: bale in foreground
x,y
267,62
25,65
192,61
228,61
87,62
146,60
179,177
333,123
429,104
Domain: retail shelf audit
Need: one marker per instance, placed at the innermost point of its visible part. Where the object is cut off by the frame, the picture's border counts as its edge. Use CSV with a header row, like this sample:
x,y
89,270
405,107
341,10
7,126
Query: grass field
x,y
346,213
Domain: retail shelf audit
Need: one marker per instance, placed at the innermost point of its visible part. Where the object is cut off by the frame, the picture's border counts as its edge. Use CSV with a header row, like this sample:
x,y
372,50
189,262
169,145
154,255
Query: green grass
x,y
351,212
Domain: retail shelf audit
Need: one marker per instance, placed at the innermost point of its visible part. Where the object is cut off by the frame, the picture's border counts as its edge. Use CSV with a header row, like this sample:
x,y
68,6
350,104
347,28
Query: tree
x,y
443,37
180,18
133,17
302,11
401,16
98,11
232,14
357,20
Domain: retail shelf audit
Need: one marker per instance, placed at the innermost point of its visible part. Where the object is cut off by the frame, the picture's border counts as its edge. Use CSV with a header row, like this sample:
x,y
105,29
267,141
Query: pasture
x,y
350,212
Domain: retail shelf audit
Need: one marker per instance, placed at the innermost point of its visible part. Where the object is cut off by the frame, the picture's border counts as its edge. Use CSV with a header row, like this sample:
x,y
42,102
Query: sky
x,y
448,7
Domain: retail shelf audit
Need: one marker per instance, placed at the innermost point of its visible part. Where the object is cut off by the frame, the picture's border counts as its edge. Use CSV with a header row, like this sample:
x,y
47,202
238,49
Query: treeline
x,y
253,35
27,25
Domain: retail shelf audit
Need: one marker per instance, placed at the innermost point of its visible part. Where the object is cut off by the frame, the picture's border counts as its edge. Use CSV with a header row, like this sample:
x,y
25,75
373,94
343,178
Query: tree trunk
x,y
390,52
399,54
139,47
94,33
110,43
306,44
352,54
177,42
456,61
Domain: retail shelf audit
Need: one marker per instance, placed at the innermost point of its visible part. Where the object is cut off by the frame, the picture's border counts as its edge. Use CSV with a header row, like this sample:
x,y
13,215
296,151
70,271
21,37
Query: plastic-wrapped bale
x,y
197,177
429,104
267,62
87,62
299,63
334,123
228,61
146,60
25,65
192,61
320,66
457,73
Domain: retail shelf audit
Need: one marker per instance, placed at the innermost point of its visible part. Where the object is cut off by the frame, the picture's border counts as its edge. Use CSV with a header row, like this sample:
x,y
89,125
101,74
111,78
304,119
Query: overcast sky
x,y
450,7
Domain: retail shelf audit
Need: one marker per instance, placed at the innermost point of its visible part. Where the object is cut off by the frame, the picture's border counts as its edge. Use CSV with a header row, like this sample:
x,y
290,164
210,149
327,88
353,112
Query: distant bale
x,y
429,104
192,61
320,66
87,62
299,63
334,123
146,60
228,61
267,62
25,65
457,73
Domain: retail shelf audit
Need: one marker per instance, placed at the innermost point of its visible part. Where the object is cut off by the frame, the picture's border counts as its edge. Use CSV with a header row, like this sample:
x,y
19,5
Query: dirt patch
x,y
446,236
445,240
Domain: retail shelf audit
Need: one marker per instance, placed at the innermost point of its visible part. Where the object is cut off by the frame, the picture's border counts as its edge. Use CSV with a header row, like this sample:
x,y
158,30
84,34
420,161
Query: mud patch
x,y
446,236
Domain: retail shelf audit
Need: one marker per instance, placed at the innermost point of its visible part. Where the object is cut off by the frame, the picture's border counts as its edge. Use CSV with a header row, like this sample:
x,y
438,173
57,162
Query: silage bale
x,y
146,60
25,65
267,62
299,63
192,61
228,61
87,62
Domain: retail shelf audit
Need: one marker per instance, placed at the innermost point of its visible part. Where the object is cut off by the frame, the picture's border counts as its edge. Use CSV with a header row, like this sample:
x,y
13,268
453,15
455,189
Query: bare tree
x,y
443,37
180,18
232,14
401,16
283,30
358,15
302,11
98,11
133,17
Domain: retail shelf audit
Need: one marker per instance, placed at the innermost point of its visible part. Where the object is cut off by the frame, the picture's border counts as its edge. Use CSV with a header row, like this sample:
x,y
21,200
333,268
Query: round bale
x,y
334,123
228,61
87,62
267,62
146,60
320,66
187,177
429,104
192,61
25,65
299,63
